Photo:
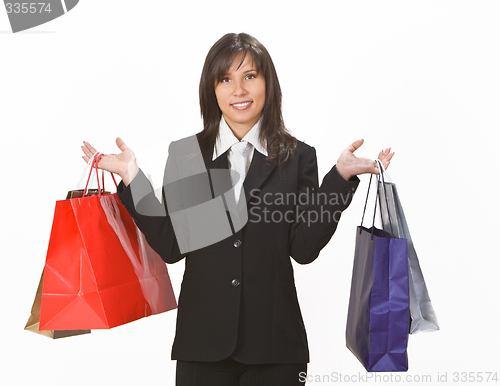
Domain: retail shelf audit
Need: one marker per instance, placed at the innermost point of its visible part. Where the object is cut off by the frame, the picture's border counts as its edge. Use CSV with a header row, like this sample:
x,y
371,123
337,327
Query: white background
x,y
420,76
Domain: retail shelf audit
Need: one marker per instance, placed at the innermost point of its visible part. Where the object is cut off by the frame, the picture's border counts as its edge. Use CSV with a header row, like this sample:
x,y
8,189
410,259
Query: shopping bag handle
x,y
95,161
382,174
380,177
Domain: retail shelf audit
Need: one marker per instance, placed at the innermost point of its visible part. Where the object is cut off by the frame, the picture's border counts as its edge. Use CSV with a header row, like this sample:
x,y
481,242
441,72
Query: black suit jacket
x,y
238,296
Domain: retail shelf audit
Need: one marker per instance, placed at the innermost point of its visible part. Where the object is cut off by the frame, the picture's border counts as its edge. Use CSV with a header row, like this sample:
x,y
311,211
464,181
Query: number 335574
x,y
27,7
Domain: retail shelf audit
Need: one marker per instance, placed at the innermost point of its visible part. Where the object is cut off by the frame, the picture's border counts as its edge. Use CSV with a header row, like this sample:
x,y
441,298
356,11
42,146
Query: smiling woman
x,y
241,95
239,320
230,57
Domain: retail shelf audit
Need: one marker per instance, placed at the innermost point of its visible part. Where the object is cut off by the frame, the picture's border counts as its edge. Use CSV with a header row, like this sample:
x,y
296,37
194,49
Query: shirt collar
x,y
226,139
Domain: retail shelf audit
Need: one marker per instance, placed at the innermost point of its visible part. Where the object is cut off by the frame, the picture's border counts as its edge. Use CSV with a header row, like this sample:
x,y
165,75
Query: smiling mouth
x,y
242,105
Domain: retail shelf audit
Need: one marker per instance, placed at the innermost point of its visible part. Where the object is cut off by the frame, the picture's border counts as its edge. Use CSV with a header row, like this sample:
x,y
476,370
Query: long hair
x,y
281,144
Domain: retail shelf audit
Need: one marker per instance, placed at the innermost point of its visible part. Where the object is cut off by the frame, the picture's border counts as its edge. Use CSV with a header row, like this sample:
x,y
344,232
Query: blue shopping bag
x,y
378,315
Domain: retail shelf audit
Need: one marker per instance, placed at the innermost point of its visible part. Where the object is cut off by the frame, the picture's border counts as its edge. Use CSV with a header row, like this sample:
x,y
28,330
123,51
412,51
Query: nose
x,y
239,88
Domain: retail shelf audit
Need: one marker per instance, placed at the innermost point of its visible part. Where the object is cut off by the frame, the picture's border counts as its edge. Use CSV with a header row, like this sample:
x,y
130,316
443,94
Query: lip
x,y
241,105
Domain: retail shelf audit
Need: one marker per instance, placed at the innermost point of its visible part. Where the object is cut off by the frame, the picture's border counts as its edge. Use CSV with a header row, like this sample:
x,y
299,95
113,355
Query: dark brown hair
x,y
281,144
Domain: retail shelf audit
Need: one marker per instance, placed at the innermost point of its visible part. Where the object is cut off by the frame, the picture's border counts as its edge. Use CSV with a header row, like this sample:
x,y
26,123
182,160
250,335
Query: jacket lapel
x,y
221,162
220,178
257,173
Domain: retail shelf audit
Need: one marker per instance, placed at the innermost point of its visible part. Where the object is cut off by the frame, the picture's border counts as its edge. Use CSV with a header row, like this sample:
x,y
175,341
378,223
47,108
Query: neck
x,y
240,133
240,130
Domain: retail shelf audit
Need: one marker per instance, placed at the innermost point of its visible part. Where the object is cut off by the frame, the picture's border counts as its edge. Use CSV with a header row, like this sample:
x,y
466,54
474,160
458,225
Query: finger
x,y
371,166
387,157
101,157
89,147
121,144
355,145
88,153
386,154
87,158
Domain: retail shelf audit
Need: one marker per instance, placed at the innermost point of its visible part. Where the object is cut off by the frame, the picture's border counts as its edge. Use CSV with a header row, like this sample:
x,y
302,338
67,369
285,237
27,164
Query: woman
x,y
239,322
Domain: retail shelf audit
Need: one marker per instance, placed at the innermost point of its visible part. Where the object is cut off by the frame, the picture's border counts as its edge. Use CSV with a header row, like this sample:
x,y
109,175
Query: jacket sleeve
x,y
151,216
319,208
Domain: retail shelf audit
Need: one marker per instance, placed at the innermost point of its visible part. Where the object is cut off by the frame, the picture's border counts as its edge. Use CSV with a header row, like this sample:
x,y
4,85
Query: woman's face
x,y
241,95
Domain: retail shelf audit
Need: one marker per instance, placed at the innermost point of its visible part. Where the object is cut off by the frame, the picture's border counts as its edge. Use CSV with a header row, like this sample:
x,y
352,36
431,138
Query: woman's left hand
x,y
349,165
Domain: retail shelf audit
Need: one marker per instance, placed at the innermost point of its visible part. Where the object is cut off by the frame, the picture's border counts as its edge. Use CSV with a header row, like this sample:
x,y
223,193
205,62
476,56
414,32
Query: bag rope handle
x,y
96,158
382,173
380,178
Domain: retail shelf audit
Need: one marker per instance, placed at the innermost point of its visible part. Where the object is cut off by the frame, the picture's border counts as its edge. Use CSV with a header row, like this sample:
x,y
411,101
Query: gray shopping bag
x,y
422,313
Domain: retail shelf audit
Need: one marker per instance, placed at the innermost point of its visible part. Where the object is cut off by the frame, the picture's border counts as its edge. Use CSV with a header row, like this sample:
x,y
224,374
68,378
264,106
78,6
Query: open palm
x,y
349,165
124,164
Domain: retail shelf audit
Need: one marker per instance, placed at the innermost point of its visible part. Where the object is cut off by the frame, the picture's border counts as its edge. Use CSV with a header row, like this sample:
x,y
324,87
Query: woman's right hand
x,y
123,164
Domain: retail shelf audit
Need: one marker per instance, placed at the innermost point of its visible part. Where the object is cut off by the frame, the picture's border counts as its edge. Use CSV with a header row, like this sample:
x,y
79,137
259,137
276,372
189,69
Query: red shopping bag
x,y
99,270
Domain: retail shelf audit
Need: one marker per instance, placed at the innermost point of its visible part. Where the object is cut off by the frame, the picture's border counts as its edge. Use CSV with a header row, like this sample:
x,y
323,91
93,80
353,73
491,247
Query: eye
x,y
224,80
251,76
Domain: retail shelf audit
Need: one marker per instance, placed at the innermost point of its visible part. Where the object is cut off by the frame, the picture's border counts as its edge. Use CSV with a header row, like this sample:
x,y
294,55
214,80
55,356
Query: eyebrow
x,y
245,72
253,69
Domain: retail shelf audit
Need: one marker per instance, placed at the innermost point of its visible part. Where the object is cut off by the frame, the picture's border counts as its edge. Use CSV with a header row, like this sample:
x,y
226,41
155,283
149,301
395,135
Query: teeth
x,y
241,104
